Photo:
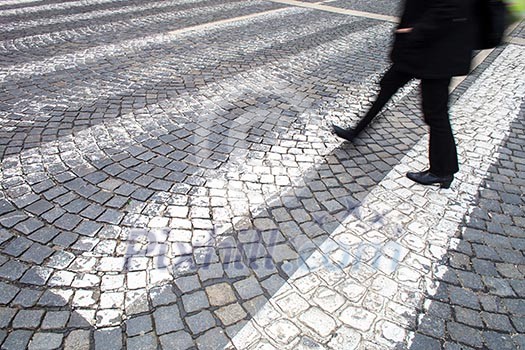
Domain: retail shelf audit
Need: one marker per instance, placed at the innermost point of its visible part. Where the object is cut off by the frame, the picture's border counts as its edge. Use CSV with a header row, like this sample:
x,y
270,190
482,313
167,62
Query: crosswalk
x,y
175,158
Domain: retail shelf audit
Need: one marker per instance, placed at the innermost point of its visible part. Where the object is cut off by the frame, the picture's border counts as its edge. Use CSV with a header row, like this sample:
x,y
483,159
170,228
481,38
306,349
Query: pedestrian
x,y
433,42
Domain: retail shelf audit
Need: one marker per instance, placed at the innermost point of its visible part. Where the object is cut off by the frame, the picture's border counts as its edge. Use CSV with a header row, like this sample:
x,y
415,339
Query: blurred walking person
x,y
433,42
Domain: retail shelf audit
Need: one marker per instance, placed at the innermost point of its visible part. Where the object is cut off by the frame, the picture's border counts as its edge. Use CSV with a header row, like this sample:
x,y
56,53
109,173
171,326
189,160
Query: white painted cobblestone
x,y
180,185
487,104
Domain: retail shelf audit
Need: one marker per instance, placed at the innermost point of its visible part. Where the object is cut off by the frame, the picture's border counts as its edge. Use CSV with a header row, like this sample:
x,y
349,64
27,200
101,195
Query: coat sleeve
x,y
434,21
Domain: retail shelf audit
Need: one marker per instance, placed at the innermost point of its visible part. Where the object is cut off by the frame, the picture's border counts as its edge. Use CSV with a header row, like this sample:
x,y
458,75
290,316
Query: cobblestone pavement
x,y
168,179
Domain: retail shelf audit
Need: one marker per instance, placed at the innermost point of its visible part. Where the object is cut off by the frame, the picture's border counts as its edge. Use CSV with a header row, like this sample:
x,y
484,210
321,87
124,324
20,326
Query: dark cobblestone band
x,y
168,179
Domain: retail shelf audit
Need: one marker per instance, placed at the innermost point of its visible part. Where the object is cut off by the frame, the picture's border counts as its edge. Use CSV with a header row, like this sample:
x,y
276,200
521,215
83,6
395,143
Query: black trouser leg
x,y
392,81
442,147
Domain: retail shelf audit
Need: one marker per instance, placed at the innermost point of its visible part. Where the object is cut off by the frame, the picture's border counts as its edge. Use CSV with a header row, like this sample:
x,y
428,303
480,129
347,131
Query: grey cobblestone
x,y
27,297
181,340
200,322
248,288
13,270
212,339
498,341
139,325
17,339
46,341
195,301
36,275
36,254
3,335
7,293
17,246
468,317
55,320
432,326
65,239
130,115
28,319
464,298
6,315
146,341
167,319
44,235
470,280
29,226
108,339
5,236
466,335
497,322
498,286
77,339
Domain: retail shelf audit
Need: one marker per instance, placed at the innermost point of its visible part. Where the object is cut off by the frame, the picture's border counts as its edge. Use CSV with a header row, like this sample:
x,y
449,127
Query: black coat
x,y
442,39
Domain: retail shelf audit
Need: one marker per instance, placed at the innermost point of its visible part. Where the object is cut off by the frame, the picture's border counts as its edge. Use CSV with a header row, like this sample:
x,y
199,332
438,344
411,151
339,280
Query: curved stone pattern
x,y
363,288
132,166
168,177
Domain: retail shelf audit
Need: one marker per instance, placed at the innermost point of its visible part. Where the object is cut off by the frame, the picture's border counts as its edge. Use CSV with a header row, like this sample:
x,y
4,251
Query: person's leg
x,y
392,81
442,147
443,157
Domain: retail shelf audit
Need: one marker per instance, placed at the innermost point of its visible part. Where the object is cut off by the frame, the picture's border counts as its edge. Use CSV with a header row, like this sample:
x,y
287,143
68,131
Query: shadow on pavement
x,y
478,301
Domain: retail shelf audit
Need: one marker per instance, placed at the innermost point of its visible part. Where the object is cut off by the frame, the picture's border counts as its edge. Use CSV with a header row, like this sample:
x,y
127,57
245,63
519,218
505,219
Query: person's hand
x,y
403,30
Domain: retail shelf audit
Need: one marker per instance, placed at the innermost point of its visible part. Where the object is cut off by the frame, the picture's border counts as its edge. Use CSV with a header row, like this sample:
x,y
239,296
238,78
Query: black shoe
x,y
427,178
347,134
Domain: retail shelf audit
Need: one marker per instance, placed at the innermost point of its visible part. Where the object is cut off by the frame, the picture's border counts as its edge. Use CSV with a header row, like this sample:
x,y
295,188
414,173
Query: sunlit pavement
x,y
169,180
